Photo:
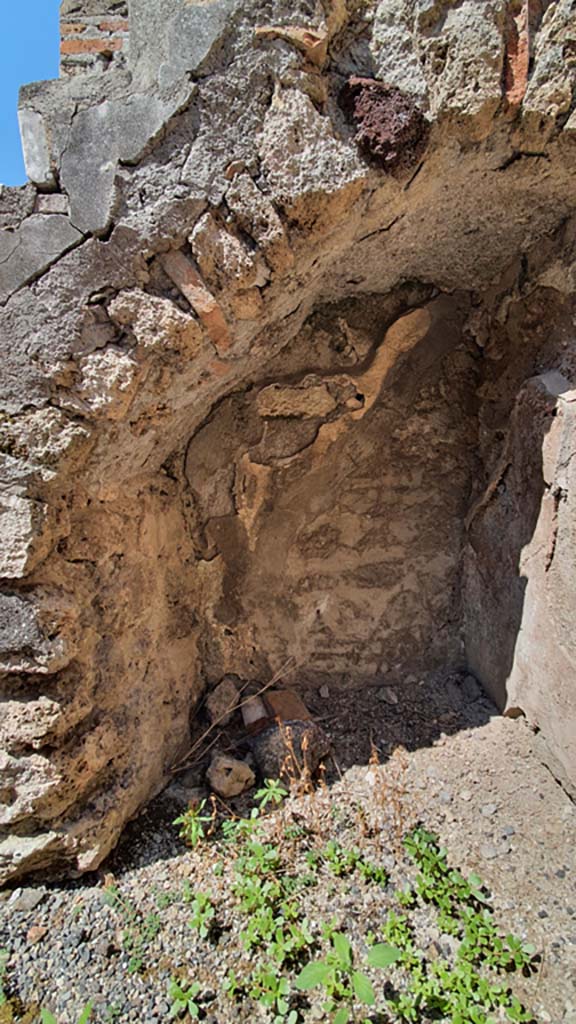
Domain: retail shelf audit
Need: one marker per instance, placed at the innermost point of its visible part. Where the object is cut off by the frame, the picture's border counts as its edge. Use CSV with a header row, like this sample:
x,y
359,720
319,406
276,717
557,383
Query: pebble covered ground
x,y
469,775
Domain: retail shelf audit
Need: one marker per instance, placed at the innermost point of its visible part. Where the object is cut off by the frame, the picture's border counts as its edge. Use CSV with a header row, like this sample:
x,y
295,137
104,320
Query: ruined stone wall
x,y
270,355
93,35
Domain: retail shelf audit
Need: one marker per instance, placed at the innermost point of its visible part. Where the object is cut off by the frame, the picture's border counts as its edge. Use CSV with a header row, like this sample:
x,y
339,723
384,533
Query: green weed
x,y
183,1000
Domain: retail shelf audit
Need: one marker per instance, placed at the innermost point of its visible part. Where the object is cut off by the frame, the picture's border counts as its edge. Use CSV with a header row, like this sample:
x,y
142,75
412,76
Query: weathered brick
x,y
90,45
185,276
69,28
517,62
119,25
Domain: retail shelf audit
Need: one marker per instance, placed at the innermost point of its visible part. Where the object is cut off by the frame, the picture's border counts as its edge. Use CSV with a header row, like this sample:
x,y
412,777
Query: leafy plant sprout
x,y
272,792
183,999
48,1018
195,824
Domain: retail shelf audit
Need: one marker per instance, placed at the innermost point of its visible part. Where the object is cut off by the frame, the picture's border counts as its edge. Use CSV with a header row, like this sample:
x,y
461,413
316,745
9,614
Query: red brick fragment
x,y
119,25
517,58
185,276
69,46
287,705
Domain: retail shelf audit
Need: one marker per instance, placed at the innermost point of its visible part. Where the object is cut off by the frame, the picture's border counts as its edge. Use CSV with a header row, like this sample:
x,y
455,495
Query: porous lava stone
x,y
392,131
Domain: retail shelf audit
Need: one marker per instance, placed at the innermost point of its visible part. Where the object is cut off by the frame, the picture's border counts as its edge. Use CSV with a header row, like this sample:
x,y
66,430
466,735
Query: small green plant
x,y
341,981
139,930
407,897
4,958
373,873
165,899
187,895
460,992
437,883
398,932
237,829
272,792
136,941
194,824
340,861
272,991
48,1018
233,986
203,915
183,1000
113,1013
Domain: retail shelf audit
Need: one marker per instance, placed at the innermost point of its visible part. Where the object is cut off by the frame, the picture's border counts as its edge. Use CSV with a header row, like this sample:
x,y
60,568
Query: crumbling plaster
x,y
253,385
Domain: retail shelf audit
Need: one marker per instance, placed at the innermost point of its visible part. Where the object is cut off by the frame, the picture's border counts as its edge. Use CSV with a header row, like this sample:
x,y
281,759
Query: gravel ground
x,y
471,776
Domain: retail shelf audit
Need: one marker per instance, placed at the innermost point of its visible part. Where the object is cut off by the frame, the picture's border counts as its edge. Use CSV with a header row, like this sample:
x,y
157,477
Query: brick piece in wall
x,y
71,46
190,283
119,25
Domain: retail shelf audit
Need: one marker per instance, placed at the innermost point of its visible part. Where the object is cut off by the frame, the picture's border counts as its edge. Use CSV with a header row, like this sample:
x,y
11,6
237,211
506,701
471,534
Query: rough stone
x,y
194,34
390,129
388,695
293,750
471,689
32,248
26,899
19,630
52,203
36,148
22,527
228,776
99,138
522,532
222,702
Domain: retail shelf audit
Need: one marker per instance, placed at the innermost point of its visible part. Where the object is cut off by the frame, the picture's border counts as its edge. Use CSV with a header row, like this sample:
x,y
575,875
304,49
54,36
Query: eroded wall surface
x,y
264,356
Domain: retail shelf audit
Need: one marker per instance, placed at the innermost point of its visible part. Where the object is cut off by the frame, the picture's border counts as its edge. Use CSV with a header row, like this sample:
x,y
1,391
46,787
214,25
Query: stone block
x,y
28,646
88,168
177,37
19,629
21,525
291,751
19,854
54,202
100,137
35,147
222,702
287,705
313,401
32,248
224,260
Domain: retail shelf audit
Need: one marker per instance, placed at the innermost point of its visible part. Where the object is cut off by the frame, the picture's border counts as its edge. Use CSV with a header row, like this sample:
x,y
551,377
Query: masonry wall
x,y
93,35
232,430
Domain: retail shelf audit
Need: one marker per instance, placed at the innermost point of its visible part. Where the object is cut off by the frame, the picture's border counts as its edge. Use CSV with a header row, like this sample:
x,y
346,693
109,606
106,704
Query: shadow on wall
x,y
500,527
519,573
